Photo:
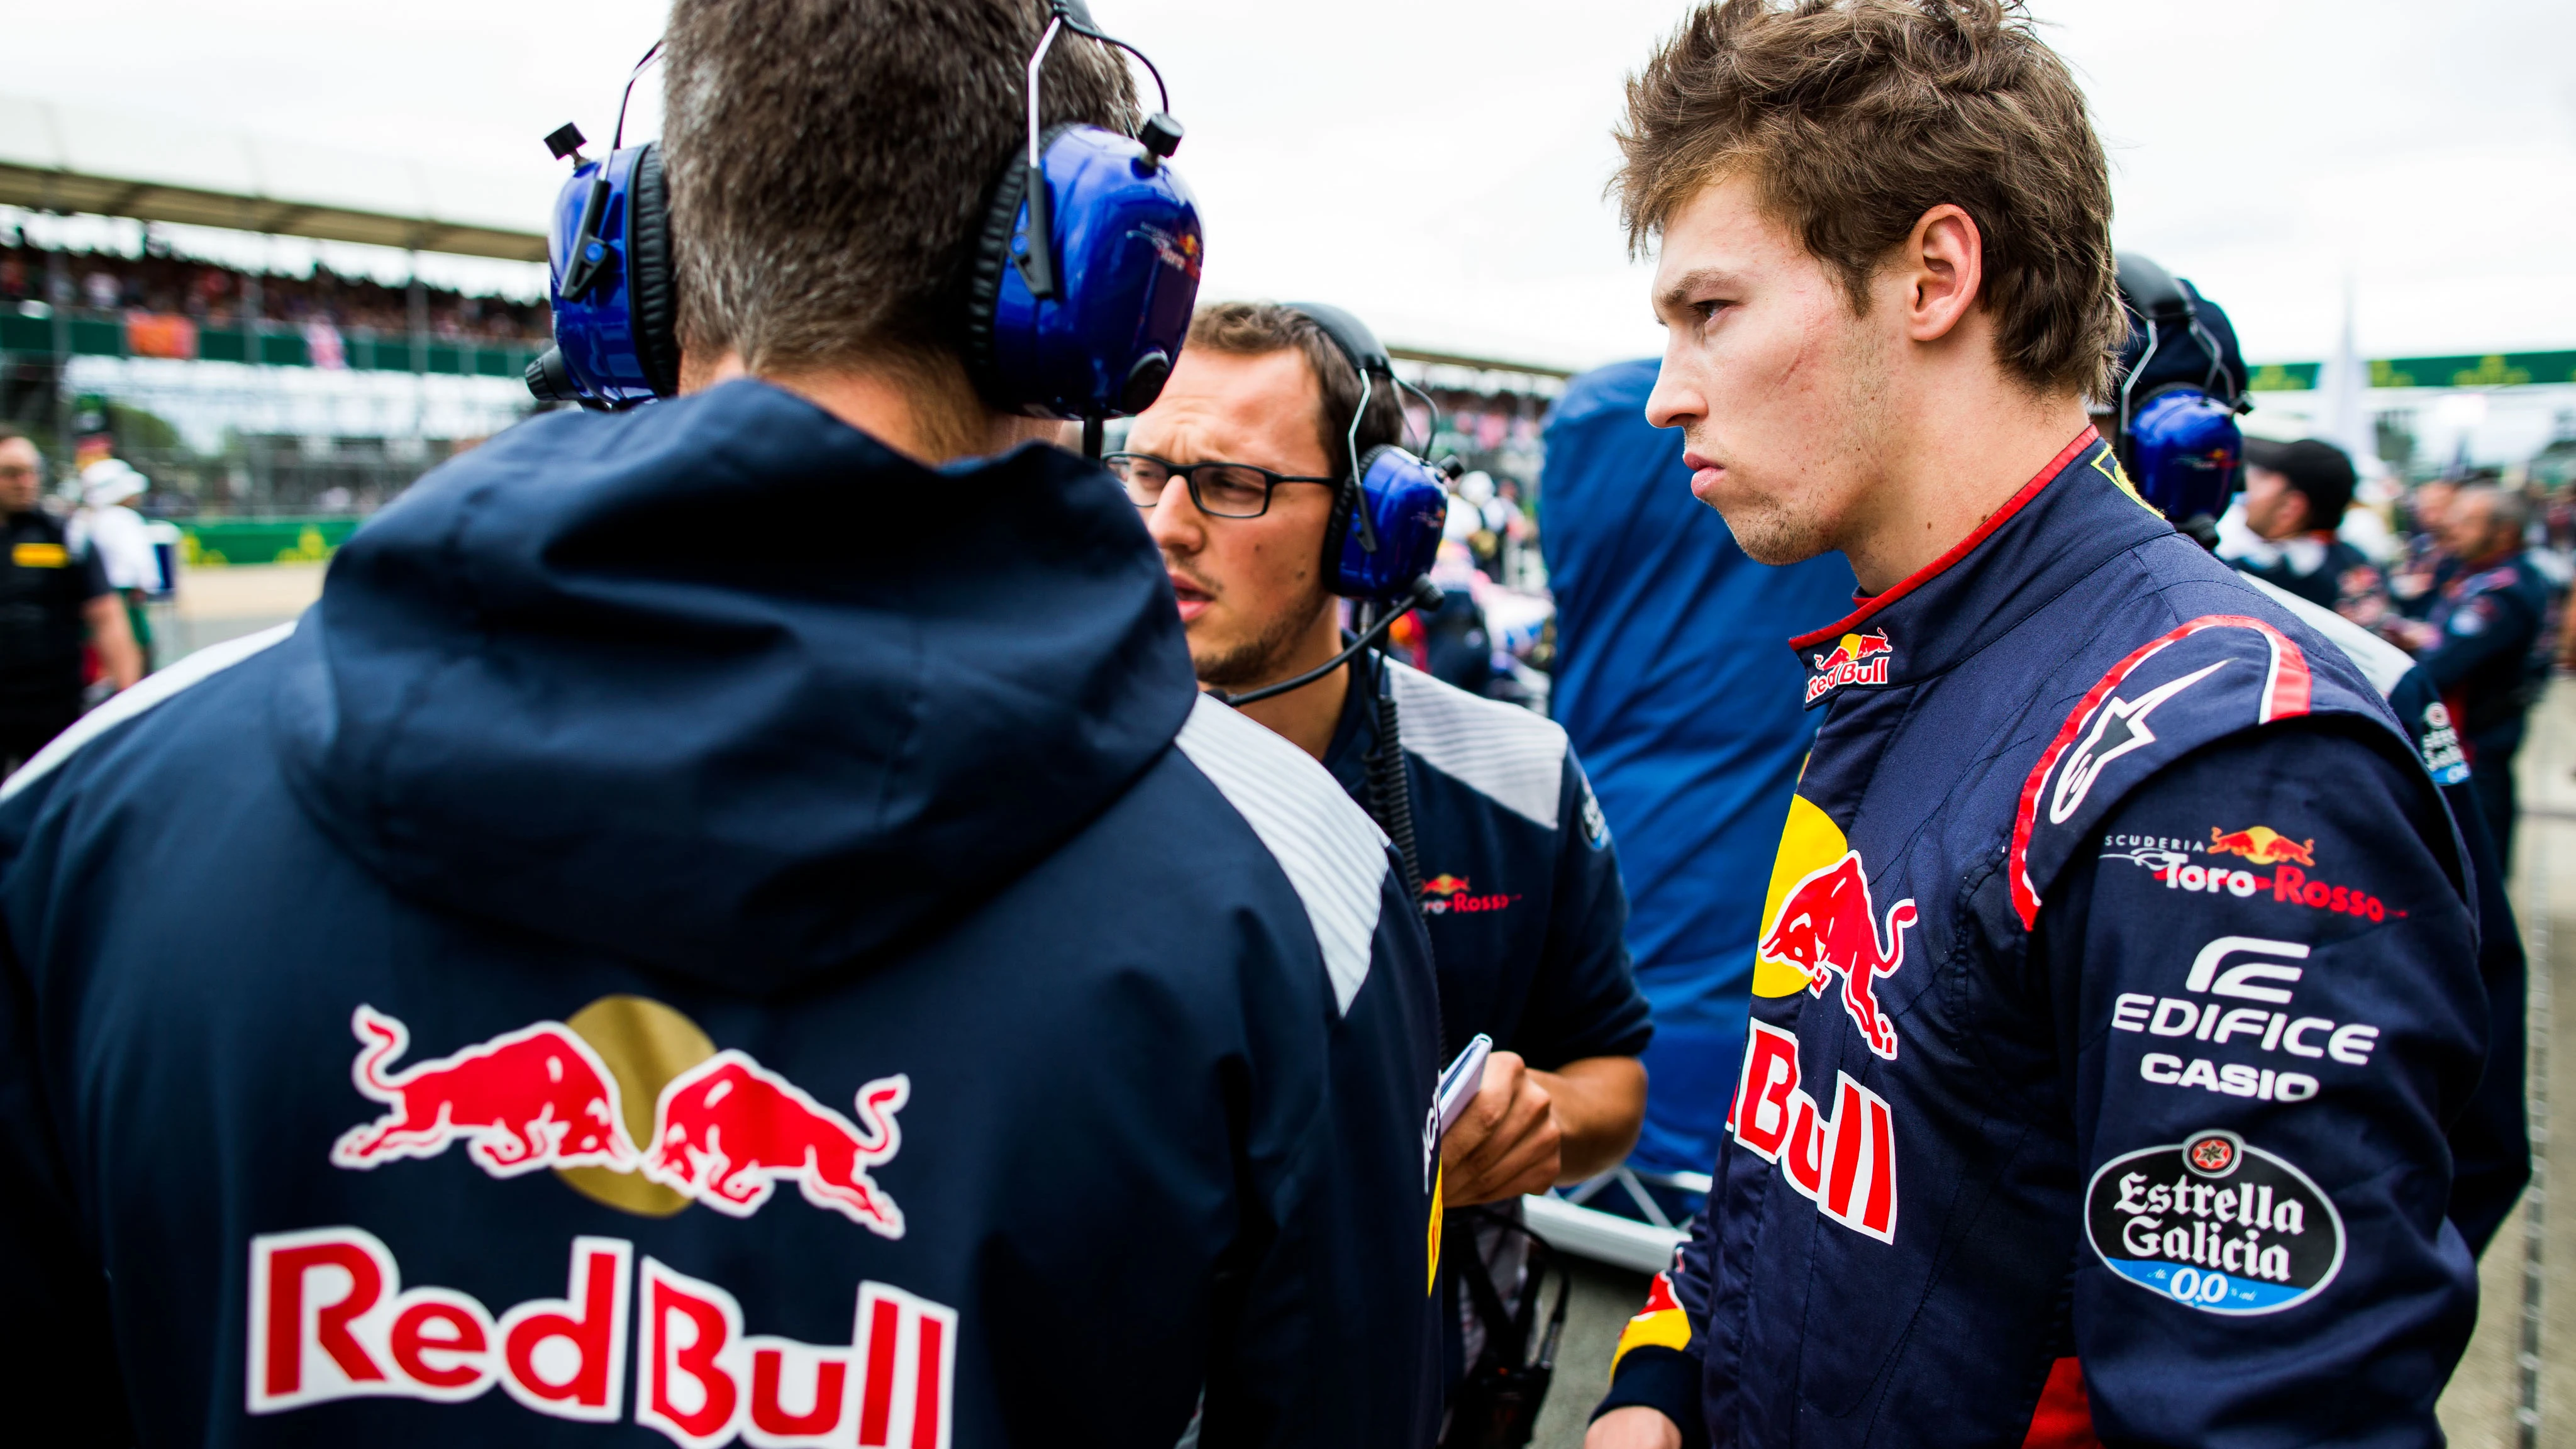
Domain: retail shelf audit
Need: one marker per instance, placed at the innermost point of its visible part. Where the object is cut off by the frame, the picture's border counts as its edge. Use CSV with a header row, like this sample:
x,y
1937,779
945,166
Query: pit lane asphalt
x,y
2516,1387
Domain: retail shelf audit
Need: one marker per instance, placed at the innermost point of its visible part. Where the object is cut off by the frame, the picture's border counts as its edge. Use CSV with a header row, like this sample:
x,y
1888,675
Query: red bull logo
x,y
1445,893
1844,1163
2263,845
330,1319
725,1132
728,1130
531,1098
1853,648
1825,927
1848,662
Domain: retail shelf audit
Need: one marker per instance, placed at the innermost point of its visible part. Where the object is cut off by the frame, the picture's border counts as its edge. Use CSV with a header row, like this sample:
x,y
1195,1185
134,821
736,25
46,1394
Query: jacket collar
x,y
2074,515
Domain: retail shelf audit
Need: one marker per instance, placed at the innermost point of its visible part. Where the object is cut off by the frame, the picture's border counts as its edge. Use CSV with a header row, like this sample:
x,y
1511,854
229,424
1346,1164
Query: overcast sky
x,y
1437,165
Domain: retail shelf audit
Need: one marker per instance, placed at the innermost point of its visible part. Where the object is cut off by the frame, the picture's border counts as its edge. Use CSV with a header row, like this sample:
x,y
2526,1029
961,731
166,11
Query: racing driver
x,y
2118,978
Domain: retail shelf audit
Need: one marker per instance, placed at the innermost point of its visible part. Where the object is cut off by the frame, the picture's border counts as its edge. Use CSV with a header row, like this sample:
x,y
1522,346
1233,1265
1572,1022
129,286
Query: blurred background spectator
x,y
2481,638
211,294
2286,528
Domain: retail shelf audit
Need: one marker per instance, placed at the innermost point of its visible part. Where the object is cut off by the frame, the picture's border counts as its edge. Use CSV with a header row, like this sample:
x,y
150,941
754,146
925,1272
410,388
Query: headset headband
x,y
2153,291
1350,336
2169,310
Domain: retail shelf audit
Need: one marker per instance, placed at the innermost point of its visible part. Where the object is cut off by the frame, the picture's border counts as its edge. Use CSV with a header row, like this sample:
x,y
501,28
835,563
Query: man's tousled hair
x,y
1249,329
1855,117
831,163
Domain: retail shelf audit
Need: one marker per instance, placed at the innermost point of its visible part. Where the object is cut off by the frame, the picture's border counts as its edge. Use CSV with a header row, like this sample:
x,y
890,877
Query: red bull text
x,y
1825,927
1844,1163
330,1319
1848,663
725,1133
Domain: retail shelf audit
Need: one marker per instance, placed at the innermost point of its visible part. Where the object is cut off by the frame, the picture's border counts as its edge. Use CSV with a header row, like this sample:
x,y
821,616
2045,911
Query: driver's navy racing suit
x,y
2117,985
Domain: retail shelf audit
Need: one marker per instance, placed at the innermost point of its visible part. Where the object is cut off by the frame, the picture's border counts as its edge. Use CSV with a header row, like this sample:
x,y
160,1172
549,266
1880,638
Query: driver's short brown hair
x,y
1856,117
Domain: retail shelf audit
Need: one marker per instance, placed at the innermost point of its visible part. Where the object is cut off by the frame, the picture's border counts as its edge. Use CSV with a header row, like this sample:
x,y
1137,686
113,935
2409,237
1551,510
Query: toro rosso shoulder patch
x,y
2200,682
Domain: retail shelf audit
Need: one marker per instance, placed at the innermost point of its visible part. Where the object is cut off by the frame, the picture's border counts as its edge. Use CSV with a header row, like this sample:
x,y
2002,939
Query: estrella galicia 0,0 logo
x,y
2215,1224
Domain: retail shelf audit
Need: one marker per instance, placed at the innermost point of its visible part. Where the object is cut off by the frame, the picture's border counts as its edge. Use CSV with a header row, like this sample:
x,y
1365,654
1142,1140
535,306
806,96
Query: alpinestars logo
x,y
2119,728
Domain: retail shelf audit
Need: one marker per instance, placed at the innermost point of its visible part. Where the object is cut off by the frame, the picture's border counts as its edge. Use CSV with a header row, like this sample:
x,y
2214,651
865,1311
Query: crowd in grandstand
x,y
161,283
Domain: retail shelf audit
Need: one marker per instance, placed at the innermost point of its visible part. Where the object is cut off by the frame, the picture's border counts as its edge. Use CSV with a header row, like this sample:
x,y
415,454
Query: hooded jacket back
x,y
416,1020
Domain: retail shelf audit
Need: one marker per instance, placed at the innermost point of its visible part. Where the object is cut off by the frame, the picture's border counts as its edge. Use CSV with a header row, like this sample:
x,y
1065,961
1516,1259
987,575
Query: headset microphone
x,y
1424,595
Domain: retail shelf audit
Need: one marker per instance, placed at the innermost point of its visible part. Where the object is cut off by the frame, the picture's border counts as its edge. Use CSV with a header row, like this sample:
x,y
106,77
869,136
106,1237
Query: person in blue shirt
x,y
1235,467
1671,686
620,971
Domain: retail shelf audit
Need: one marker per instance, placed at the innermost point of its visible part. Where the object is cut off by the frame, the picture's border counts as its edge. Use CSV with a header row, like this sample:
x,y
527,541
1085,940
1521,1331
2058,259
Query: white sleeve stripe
x,y
1501,751
152,690
2379,661
1331,852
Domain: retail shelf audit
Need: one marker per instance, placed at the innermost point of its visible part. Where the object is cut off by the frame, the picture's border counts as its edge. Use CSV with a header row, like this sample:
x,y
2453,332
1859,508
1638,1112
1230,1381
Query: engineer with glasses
x,y
1237,467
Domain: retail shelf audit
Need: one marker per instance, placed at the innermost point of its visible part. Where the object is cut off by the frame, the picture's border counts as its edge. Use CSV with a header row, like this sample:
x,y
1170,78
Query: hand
x,y
1508,1143
1634,1427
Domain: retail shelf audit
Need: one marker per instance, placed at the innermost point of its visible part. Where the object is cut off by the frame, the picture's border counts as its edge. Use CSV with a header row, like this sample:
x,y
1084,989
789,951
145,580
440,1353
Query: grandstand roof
x,y
67,158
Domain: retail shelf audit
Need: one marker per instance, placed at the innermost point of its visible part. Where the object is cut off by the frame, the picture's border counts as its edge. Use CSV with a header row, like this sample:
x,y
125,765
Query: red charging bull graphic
x,y
1853,648
1844,1163
330,1319
531,1098
2263,845
1825,925
1848,663
727,1130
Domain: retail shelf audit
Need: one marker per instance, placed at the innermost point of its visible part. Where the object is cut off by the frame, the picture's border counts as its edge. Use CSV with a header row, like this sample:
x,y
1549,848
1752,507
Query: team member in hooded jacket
x,y
2023,1099
613,961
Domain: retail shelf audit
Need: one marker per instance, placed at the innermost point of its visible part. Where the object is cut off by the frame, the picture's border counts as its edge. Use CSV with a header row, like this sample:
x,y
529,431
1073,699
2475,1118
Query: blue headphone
x,y
1387,518
1077,299
1379,546
2178,437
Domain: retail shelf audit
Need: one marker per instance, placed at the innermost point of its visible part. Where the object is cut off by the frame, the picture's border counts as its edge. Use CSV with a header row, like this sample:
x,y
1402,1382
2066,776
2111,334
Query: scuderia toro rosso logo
x,y
1854,659
2215,1224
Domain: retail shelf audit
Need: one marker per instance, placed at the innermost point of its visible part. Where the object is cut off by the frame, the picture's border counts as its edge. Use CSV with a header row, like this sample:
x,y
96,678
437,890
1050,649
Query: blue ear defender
x,y
608,246
2178,437
1083,282
1077,299
1389,512
2184,447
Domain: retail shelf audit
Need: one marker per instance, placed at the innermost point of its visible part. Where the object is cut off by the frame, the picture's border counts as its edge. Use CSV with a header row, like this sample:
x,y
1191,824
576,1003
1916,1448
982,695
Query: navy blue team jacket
x,y
1520,881
712,932
2117,988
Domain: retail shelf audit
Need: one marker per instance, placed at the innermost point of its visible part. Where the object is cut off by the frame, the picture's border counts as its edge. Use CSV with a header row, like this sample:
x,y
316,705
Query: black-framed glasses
x,y
1220,490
